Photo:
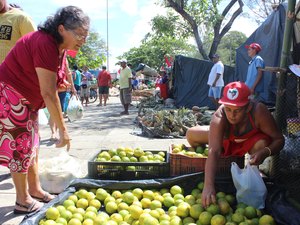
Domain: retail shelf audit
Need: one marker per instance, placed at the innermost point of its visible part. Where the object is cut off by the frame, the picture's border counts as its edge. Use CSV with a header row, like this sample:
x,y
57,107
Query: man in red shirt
x,y
104,83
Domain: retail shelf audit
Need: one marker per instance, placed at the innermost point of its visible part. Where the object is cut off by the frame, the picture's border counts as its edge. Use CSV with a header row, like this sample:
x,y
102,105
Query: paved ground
x,y
101,127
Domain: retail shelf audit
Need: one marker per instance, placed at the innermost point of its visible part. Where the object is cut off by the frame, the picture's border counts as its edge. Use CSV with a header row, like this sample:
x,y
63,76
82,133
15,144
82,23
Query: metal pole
x,y
107,53
287,38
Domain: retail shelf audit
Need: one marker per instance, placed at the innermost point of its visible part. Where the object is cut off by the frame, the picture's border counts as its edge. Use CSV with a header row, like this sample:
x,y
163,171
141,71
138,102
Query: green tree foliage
x,y
203,16
231,41
171,26
151,52
166,38
92,53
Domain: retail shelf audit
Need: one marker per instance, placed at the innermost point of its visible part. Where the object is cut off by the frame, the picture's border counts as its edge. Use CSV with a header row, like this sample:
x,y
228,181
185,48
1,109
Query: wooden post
x,y
287,39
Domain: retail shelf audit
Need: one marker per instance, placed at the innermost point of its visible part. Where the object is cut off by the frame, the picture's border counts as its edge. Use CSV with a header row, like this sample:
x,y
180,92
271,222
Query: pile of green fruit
x,y
151,207
198,152
128,154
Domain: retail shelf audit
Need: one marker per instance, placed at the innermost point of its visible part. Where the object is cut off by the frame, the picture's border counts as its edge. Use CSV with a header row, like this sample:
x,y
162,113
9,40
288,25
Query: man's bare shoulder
x,y
261,108
262,115
219,116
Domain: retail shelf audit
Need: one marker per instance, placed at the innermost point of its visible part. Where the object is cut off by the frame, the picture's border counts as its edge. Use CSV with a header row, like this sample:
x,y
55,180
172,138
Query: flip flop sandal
x,y
29,208
44,199
53,139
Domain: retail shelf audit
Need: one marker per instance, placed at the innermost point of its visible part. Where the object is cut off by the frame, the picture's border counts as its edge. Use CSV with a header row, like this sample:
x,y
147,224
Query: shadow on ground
x,y
7,214
102,118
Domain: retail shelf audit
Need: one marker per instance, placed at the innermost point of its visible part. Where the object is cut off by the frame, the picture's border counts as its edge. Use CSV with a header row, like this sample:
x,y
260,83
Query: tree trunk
x,y
218,35
178,6
285,52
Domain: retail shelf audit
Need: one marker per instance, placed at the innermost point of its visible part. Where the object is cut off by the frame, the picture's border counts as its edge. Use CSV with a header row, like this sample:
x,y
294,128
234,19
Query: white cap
x,y
123,60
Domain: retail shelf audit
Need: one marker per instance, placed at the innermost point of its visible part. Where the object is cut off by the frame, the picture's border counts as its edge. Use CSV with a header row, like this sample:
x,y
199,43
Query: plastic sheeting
x,y
283,212
190,81
276,204
146,70
188,182
270,36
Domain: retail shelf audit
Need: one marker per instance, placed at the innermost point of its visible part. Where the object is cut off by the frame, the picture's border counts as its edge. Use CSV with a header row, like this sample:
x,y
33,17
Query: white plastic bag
x,y
43,120
250,187
57,172
75,109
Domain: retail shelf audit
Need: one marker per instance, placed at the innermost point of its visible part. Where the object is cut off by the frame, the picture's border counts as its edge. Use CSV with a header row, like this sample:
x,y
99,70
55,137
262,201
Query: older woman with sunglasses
x,y
29,77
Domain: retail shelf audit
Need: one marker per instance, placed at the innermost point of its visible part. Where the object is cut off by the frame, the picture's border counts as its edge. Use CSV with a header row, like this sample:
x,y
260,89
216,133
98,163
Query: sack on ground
x,y
75,109
250,187
57,172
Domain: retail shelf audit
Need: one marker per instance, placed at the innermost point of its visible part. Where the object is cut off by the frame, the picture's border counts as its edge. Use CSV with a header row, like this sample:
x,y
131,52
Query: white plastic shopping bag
x,y
75,109
57,172
43,120
250,187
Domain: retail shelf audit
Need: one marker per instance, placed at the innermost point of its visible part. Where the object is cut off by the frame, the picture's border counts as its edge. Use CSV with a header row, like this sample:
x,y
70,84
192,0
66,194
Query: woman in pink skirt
x,y
29,77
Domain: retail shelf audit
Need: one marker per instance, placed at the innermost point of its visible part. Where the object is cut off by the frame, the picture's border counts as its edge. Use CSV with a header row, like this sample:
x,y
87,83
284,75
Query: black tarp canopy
x,y
190,75
190,81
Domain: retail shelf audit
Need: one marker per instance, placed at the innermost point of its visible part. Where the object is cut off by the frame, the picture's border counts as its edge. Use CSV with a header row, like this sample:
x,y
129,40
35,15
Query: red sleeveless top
x,y
240,145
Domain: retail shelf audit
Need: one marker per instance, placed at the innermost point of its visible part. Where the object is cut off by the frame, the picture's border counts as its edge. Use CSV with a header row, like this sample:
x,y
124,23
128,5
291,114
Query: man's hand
x,y
74,91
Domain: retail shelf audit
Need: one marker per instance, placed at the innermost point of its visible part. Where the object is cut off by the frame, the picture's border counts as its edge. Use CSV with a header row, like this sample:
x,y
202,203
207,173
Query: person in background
x,y
104,83
76,75
87,77
66,86
14,24
158,80
254,74
134,80
132,70
125,86
215,80
29,77
239,126
135,83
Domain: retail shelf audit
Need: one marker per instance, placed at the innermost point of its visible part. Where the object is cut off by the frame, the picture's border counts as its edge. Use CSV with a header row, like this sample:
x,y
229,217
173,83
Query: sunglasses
x,y
78,37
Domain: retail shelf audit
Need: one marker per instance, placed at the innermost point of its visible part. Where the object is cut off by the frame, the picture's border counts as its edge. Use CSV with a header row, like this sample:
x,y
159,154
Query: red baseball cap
x,y
255,46
235,94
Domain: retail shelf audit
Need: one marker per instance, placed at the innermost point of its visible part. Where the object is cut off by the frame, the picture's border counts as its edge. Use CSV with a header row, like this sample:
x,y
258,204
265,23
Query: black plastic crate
x,y
119,170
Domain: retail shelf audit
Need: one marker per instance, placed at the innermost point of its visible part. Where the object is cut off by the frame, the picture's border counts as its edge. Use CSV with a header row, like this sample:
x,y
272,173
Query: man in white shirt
x,y
215,80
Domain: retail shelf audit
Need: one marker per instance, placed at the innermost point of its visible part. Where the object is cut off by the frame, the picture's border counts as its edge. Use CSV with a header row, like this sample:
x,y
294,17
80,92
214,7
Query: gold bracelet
x,y
270,152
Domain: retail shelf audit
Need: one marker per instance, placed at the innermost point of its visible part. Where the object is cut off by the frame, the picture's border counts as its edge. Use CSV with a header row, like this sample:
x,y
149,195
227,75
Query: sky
x,y
128,20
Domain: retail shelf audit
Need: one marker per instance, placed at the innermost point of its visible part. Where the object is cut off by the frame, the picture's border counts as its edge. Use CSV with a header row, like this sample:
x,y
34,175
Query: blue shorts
x,y
215,92
62,98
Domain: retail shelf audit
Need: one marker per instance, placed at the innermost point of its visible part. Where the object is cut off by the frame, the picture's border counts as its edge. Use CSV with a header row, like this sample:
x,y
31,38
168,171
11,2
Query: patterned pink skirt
x,y
19,139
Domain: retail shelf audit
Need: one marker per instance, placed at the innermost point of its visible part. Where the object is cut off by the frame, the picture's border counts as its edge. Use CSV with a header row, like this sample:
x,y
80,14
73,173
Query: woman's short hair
x,y
71,17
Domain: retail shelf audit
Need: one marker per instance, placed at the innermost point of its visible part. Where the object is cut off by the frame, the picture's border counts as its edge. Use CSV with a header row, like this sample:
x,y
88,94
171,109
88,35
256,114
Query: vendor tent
x,y
190,81
190,75
270,36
